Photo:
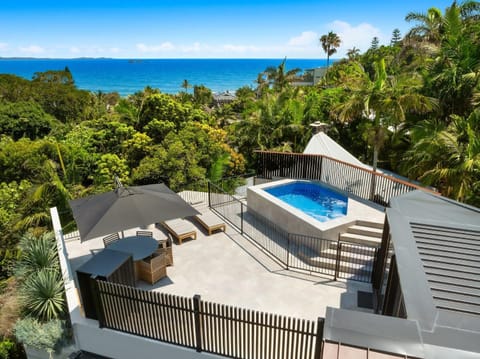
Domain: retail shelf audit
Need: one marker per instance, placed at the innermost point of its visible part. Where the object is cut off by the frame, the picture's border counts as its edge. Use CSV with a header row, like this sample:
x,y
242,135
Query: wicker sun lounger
x,y
210,221
180,229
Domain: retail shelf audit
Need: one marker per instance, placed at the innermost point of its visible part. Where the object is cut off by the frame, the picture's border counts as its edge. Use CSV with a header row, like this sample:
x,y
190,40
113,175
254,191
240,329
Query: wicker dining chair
x,y
153,268
166,251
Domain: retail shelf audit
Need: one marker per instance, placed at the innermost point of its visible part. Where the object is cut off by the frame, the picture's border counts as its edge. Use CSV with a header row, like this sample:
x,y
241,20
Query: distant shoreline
x,y
128,76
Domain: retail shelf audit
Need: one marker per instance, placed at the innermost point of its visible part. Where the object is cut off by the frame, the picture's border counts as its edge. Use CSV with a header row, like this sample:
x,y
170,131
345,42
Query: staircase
x,y
358,246
366,233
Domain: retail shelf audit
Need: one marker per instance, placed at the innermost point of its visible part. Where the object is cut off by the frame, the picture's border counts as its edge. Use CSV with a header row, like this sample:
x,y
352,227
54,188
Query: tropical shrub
x,y
6,346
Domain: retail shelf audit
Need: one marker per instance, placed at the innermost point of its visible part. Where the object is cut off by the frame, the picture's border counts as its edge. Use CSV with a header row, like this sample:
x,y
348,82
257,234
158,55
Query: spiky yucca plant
x,y
42,295
41,290
37,253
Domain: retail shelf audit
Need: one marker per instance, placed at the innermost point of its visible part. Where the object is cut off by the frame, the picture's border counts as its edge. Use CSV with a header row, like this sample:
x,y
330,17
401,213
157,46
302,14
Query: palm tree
x,y
455,70
262,84
428,25
353,53
48,191
275,120
330,42
279,78
431,26
384,101
186,85
447,157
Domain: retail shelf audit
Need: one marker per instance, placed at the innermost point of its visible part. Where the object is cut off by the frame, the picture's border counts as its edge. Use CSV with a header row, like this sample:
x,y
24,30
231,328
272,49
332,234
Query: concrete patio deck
x,y
227,268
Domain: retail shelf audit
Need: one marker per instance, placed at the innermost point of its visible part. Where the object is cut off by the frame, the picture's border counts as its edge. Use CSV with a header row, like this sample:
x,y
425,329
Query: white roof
x,y
322,144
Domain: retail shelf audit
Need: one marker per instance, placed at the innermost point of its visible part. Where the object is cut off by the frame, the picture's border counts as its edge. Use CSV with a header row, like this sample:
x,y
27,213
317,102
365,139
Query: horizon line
x,y
158,58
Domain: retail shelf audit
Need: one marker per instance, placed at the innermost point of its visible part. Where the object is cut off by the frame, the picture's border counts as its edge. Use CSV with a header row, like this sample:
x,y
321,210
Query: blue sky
x,y
197,29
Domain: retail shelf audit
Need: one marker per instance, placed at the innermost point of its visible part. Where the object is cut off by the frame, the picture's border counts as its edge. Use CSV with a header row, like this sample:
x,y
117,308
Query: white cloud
x,y
359,36
196,47
239,48
165,46
3,46
306,38
93,51
32,50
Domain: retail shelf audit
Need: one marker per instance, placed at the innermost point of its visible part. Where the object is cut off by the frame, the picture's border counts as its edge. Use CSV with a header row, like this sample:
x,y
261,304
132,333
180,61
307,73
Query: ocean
x,y
129,76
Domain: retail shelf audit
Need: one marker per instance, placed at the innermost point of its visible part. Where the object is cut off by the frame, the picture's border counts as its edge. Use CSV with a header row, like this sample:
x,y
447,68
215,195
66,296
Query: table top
x,y
138,246
104,263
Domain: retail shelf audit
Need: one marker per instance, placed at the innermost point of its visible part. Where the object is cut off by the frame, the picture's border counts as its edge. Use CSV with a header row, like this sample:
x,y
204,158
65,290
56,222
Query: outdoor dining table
x,y
139,247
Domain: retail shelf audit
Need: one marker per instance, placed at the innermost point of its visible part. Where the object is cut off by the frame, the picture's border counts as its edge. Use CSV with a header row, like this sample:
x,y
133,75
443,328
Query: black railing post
x,y
258,160
374,264
241,217
319,338
288,250
209,191
198,322
337,261
381,258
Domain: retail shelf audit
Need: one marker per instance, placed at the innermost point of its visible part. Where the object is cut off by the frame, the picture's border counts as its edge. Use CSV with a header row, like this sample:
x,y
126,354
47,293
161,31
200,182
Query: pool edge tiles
x,y
294,220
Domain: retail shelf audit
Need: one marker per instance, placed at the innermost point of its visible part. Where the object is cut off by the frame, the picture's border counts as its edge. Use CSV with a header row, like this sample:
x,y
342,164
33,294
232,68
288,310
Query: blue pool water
x,y
313,199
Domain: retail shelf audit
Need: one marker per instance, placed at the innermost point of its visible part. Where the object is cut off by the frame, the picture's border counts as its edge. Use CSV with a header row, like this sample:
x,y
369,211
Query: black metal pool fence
x,y
295,251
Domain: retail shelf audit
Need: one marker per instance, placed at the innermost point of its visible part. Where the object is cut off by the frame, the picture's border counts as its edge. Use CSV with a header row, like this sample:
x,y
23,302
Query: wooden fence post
x,y
373,185
198,322
319,338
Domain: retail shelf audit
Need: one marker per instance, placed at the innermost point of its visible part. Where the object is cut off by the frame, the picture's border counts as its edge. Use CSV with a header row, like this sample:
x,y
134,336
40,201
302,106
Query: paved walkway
x,y
229,269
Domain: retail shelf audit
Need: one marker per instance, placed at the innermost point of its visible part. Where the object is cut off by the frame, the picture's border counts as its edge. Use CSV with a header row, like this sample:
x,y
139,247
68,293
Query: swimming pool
x,y
293,220
317,201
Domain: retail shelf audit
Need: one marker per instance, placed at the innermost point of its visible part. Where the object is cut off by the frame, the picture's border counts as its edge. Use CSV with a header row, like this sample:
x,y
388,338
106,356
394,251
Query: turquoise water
x,y
129,76
317,201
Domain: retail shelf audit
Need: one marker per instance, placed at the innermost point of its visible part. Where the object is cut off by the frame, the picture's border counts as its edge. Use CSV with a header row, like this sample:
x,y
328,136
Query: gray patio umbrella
x,y
127,207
